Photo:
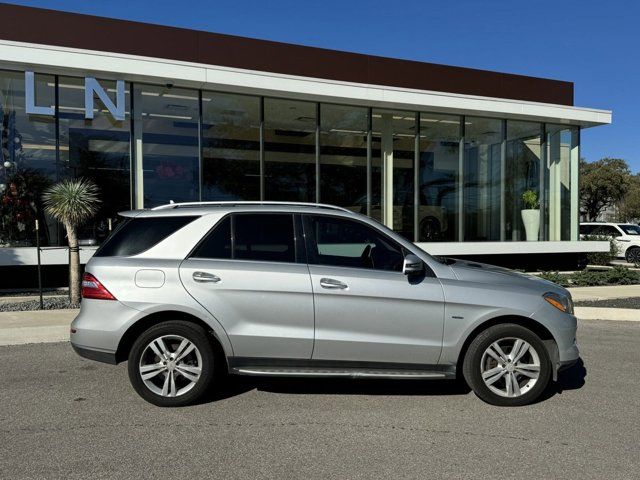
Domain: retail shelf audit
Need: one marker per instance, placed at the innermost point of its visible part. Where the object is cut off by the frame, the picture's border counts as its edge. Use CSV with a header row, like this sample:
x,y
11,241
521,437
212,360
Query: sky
x,y
593,43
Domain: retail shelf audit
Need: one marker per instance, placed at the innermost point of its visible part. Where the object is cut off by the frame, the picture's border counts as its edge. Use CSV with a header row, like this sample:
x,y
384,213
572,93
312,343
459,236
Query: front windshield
x,y
630,229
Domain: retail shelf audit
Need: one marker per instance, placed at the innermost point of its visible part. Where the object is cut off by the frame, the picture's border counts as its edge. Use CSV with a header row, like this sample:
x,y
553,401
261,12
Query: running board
x,y
263,371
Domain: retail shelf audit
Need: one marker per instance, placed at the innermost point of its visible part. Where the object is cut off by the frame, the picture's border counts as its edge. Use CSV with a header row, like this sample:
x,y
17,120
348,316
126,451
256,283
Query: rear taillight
x,y
92,288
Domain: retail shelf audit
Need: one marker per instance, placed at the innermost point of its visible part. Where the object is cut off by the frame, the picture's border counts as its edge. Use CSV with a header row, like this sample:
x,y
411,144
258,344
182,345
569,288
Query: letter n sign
x,y
92,86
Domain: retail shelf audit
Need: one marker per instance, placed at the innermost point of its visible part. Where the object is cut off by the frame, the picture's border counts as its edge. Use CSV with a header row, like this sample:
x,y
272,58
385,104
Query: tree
x,y
629,206
72,202
602,184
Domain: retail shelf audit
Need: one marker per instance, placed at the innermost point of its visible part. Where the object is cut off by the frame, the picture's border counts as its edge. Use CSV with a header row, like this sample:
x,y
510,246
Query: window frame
x,y
298,239
309,244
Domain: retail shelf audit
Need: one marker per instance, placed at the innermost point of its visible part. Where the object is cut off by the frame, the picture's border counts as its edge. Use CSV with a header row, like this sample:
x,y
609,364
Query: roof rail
x,y
232,203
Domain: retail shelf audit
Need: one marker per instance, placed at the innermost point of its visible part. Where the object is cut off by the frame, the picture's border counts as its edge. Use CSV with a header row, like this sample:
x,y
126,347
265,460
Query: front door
x,y
366,309
255,284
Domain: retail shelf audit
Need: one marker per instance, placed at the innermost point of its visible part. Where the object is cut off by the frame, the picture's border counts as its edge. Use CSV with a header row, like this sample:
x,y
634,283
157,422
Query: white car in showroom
x,y
626,236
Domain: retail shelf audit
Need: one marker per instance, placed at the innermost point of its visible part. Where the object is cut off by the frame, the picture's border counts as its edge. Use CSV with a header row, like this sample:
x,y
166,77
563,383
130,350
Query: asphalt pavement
x,y
65,417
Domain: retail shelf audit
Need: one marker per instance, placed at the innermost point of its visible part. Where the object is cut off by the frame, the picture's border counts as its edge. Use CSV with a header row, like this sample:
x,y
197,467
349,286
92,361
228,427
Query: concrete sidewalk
x,y
39,326
603,313
604,293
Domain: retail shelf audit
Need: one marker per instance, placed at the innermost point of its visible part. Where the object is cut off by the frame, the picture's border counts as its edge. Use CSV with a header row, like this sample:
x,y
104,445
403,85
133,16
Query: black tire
x,y
193,333
632,255
473,358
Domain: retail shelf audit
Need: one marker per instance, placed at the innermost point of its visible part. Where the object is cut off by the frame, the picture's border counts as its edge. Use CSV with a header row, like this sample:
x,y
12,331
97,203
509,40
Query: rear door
x,y
367,310
249,272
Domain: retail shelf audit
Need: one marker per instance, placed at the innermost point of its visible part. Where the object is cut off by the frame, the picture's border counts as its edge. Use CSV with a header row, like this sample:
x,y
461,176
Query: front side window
x,y
630,229
341,242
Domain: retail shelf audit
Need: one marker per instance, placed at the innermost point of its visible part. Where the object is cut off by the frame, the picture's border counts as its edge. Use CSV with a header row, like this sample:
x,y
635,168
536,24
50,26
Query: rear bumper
x,y
97,355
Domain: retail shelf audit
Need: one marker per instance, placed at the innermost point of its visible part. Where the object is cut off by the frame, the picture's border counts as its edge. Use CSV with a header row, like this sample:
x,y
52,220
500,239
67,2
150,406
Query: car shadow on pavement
x,y
229,386
236,385
573,378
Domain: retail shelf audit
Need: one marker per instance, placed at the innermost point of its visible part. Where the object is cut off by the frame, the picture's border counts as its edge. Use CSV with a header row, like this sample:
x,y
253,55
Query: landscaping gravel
x,y
632,302
49,304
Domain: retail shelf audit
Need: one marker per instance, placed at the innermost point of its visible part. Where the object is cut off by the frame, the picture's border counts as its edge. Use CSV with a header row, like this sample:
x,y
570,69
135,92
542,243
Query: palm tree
x,y
72,202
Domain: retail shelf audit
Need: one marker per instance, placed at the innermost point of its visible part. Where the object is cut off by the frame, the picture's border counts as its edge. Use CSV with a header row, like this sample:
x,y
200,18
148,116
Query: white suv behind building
x,y
626,236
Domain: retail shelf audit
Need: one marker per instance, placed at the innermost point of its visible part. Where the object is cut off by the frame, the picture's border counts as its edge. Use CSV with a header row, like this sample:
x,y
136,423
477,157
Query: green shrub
x,y
555,277
602,258
618,275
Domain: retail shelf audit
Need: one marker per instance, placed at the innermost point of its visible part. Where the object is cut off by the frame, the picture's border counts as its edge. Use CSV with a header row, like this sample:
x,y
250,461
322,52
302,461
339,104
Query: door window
x,y
607,230
217,243
341,242
261,237
265,237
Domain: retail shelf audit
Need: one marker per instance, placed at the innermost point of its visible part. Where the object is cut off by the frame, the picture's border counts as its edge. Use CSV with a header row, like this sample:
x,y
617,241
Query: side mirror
x,y
412,265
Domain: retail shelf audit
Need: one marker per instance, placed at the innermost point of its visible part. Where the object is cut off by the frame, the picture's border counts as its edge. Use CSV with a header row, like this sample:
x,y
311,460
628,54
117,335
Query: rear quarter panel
x,y
118,275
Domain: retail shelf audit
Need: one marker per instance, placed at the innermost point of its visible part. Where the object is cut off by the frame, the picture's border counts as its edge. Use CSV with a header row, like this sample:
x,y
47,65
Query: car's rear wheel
x,y
632,255
507,365
171,364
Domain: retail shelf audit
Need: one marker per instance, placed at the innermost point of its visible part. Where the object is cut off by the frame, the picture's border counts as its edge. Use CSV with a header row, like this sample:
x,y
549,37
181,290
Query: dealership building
x,y
154,114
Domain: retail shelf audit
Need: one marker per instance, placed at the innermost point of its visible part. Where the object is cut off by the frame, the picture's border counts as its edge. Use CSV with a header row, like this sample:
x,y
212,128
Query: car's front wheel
x,y
507,365
171,364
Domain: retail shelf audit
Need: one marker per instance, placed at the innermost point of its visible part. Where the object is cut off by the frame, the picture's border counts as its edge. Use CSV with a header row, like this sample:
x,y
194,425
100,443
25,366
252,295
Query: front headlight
x,y
561,302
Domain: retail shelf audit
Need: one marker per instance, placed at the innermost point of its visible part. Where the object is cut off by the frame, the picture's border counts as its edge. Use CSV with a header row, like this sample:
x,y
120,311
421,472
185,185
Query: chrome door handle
x,y
332,284
204,277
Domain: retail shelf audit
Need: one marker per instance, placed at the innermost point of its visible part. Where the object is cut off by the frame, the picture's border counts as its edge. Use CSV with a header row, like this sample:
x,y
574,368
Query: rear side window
x,y
267,237
139,234
586,229
217,244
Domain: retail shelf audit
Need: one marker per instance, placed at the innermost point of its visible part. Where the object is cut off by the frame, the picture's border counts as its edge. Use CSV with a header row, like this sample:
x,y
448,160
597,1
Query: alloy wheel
x,y
633,255
170,365
510,367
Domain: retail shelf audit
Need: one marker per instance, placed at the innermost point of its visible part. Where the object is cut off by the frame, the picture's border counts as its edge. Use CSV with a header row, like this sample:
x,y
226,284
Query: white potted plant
x,y
531,214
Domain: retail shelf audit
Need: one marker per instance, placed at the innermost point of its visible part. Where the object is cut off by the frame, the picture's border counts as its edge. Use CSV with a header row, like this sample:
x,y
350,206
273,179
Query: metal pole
x,y
39,264
69,271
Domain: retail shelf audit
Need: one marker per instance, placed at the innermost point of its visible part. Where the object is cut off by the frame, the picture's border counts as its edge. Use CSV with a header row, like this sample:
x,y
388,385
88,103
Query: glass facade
x,y
289,150
438,178
98,149
230,147
343,156
167,121
393,157
482,178
523,166
432,177
28,159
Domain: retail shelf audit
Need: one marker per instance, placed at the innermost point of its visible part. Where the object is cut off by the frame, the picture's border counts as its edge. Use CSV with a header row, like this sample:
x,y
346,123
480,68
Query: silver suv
x,y
187,291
